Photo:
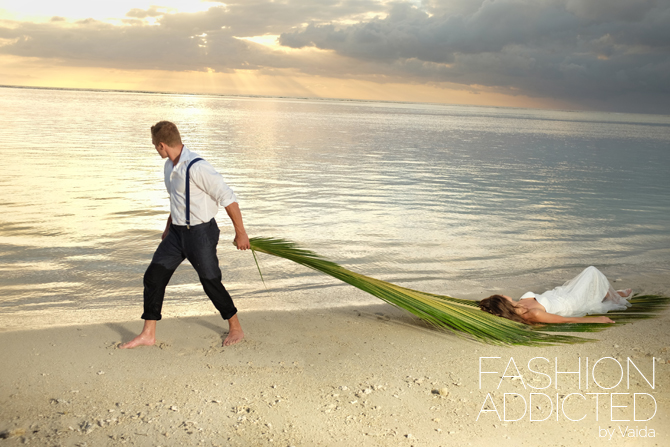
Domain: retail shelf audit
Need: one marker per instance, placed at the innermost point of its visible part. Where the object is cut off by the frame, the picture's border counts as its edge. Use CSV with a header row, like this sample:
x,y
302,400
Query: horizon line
x,y
316,98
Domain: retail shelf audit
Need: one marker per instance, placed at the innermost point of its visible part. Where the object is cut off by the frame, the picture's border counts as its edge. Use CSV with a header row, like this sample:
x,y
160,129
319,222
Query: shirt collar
x,y
185,156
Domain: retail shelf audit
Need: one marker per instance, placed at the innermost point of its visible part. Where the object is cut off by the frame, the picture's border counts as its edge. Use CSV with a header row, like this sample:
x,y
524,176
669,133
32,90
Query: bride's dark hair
x,y
501,307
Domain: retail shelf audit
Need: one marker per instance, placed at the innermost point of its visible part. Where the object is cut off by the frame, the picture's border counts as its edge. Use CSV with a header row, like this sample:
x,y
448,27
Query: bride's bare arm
x,y
540,316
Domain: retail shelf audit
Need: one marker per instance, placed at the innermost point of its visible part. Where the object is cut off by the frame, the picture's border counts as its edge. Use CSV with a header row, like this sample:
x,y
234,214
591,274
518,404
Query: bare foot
x,y
624,293
146,338
233,337
235,334
141,340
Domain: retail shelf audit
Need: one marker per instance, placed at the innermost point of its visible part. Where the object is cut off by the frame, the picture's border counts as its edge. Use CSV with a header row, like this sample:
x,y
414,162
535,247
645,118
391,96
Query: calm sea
x,y
456,200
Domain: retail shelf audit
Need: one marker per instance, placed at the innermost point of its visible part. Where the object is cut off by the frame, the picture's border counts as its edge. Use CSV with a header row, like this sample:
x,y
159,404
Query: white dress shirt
x,y
208,190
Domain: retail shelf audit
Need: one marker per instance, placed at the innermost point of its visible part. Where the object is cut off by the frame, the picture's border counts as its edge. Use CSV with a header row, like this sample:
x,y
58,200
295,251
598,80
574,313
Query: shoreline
x,y
370,376
194,304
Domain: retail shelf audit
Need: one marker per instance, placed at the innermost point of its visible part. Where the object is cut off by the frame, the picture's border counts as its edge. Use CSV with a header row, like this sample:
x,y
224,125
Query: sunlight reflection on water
x,y
447,199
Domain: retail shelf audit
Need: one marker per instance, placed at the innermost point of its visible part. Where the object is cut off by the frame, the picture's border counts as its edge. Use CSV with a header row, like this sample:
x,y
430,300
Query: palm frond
x,y
463,317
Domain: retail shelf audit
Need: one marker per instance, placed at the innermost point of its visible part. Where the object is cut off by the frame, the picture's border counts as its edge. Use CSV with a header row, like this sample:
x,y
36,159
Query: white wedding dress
x,y
588,293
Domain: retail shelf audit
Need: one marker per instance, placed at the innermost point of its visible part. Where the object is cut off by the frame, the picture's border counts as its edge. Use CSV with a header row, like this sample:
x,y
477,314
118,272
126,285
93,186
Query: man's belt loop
x,y
188,193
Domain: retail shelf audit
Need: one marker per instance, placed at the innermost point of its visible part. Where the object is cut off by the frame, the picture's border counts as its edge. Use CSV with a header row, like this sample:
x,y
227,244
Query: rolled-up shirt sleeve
x,y
206,178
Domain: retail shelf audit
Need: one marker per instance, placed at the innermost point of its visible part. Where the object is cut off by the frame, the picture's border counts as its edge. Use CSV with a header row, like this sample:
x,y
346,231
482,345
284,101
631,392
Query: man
x,y
193,237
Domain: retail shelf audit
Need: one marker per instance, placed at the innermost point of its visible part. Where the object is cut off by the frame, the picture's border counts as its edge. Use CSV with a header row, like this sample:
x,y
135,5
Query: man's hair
x,y
165,132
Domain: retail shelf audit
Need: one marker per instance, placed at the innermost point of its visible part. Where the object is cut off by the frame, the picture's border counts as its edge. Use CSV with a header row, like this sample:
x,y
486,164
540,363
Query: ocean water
x,y
456,200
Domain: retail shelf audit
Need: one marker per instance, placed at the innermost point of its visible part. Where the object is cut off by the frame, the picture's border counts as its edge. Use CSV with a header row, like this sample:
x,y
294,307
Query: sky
x,y
610,55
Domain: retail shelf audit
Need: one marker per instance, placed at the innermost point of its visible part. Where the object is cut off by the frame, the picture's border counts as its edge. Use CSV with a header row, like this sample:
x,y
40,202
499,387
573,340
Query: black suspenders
x,y
188,193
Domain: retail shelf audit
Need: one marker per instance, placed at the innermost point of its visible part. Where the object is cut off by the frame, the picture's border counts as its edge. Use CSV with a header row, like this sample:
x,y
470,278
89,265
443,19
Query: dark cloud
x,y
450,7
607,54
408,32
588,51
608,10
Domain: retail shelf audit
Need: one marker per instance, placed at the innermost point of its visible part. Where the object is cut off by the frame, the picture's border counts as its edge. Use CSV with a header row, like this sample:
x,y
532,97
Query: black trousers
x,y
198,245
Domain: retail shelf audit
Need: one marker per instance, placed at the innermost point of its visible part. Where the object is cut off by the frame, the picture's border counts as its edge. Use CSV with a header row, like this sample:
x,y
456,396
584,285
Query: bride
x,y
587,293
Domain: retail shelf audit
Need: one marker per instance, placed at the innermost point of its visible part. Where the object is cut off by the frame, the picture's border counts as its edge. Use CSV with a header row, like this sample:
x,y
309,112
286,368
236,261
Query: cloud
x,y
412,33
153,11
259,17
608,10
178,41
590,51
606,54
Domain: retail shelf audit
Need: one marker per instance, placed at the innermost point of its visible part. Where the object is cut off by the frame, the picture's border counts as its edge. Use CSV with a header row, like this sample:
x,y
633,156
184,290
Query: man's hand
x,y
242,241
165,233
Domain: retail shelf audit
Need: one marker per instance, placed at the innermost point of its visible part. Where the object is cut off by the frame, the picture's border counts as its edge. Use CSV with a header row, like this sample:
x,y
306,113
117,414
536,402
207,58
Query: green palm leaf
x,y
463,317
460,316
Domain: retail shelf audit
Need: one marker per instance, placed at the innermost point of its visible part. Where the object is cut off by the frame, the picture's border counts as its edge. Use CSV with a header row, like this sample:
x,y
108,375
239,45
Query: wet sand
x,y
370,376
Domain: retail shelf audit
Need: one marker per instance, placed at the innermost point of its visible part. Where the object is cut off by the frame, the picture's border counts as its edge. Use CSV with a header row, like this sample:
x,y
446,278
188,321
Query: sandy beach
x,y
370,376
